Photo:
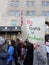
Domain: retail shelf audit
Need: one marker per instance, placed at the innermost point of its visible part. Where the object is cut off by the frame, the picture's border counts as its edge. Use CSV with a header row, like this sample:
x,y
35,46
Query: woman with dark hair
x,y
15,55
29,57
11,51
18,47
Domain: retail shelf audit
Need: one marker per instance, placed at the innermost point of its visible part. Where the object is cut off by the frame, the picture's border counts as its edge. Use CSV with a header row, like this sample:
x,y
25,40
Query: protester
x,y
3,54
36,55
22,51
40,55
11,52
15,55
29,56
18,47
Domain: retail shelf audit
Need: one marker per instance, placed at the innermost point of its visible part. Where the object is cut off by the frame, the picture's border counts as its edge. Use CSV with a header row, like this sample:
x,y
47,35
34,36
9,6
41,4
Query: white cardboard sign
x,y
35,29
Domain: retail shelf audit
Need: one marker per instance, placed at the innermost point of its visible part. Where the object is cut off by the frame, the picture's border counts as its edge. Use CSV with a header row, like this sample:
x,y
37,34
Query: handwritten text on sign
x,y
35,29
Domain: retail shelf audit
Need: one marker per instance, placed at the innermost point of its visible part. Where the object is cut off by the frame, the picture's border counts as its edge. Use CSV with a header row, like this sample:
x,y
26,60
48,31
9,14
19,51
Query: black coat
x,y
29,57
18,48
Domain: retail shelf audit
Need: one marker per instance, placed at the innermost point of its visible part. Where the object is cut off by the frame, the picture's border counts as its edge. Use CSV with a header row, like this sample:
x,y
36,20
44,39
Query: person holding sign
x,y
36,55
40,55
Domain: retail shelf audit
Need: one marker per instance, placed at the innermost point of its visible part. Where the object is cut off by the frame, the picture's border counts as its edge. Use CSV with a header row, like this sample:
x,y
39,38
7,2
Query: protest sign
x,y
35,28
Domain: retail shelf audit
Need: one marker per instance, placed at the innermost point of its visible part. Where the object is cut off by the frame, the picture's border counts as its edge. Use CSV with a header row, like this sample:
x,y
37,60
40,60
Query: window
x,y
27,13
32,13
43,3
17,13
47,13
27,3
12,3
17,3
12,12
47,3
32,3
43,13
13,22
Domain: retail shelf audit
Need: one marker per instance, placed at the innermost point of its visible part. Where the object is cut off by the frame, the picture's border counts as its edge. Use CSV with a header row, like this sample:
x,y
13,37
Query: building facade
x,y
13,11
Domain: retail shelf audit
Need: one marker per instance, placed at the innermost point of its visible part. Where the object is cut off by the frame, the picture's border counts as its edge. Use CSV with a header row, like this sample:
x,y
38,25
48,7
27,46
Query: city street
x,y
21,62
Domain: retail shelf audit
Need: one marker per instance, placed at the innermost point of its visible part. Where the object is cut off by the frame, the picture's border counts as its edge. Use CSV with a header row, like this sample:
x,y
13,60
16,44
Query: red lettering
x,y
29,22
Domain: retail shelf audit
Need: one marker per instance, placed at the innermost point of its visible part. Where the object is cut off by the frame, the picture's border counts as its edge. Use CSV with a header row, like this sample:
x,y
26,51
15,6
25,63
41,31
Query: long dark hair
x,y
29,57
13,43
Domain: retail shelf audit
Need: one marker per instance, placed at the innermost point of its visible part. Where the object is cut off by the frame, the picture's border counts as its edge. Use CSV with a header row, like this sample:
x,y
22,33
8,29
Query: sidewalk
x,y
19,61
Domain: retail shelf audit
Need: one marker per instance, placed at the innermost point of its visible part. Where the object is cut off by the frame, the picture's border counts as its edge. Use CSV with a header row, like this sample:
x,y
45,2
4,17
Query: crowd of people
x,y
31,54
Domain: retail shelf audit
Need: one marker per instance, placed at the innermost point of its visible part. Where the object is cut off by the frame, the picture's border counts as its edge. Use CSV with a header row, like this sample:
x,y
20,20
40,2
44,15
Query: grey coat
x,y
40,57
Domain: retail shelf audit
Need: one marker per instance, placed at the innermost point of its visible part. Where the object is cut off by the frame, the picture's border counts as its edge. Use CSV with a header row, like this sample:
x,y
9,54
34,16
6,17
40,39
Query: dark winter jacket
x,y
3,57
29,57
18,48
